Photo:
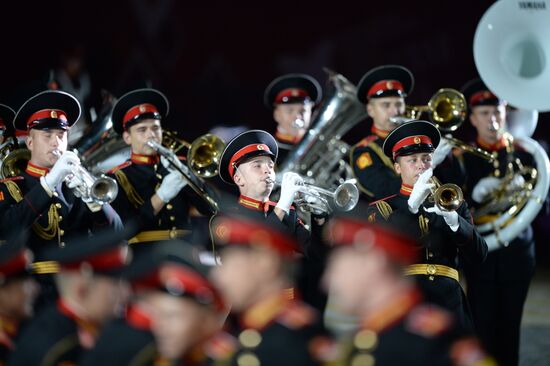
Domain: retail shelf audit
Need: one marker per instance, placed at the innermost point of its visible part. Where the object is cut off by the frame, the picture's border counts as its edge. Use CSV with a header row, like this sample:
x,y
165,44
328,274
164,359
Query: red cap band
x,y
112,259
240,232
357,233
480,96
411,140
17,264
138,110
242,152
385,85
46,113
179,280
290,93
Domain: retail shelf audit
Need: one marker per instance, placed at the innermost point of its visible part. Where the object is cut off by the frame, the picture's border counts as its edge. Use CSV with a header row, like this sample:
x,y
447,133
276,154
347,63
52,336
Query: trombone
x,y
447,109
211,153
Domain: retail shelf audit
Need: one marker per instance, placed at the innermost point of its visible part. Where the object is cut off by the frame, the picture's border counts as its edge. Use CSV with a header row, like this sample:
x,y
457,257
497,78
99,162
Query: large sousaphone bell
x,y
511,52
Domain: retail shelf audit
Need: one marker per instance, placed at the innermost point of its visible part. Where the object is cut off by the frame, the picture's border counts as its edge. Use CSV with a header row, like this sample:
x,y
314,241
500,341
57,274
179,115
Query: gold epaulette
x,y
133,196
384,208
14,189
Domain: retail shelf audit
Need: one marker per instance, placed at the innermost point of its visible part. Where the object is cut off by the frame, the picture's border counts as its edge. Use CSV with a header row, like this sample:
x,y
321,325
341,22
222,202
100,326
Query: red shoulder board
x,y
428,321
297,315
11,179
118,167
221,346
382,199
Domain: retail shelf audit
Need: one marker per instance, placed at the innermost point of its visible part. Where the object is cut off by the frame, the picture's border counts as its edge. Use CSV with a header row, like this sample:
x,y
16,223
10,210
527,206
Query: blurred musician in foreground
x,y
90,293
258,265
292,98
396,324
383,89
152,192
497,290
41,200
17,293
444,236
172,311
248,162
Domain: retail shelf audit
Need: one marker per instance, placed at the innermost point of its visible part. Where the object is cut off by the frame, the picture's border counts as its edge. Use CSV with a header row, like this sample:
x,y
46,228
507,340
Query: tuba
x,y
508,214
318,157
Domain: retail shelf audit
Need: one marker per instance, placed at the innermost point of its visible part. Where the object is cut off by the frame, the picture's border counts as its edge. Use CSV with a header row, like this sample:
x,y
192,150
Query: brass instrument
x,y
447,109
447,197
14,160
203,154
321,156
344,198
193,181
89,188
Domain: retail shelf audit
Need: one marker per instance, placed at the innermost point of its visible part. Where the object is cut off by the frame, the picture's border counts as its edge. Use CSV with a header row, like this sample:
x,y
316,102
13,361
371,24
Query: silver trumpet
x,y
343,198
89,188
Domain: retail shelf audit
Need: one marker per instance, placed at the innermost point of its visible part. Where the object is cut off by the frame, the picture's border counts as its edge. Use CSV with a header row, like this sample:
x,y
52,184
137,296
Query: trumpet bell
x,y
448,197
204,155
346,196
104,190
511,52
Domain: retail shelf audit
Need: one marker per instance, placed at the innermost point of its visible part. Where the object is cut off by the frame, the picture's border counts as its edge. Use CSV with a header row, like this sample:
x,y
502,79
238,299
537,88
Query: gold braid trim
x,y
378,150
133,196
384,208
14,190
423,223
49,232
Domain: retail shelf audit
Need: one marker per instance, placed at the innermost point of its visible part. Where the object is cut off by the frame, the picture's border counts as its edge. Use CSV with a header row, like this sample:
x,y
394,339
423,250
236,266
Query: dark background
x,y
213,61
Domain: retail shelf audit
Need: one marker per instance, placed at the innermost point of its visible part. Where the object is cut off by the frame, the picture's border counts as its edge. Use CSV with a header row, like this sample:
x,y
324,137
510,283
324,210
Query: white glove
x,y
421,190
170,167
171,185
484,187
64,166
450,217
441,152
312,200
290,185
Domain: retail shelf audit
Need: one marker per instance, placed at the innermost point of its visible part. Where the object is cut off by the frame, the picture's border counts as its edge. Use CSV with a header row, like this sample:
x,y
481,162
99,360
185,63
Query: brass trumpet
x,y
447,197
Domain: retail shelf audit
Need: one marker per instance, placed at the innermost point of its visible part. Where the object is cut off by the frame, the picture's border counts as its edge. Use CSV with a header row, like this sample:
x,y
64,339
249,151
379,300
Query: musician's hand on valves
x,y
289,186
64,166
450,217
484,188
422,189
314,204
170,187
441,152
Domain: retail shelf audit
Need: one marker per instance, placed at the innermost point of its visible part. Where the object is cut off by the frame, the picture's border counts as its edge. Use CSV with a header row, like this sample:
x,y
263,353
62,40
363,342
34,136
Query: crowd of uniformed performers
x,y
179,269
